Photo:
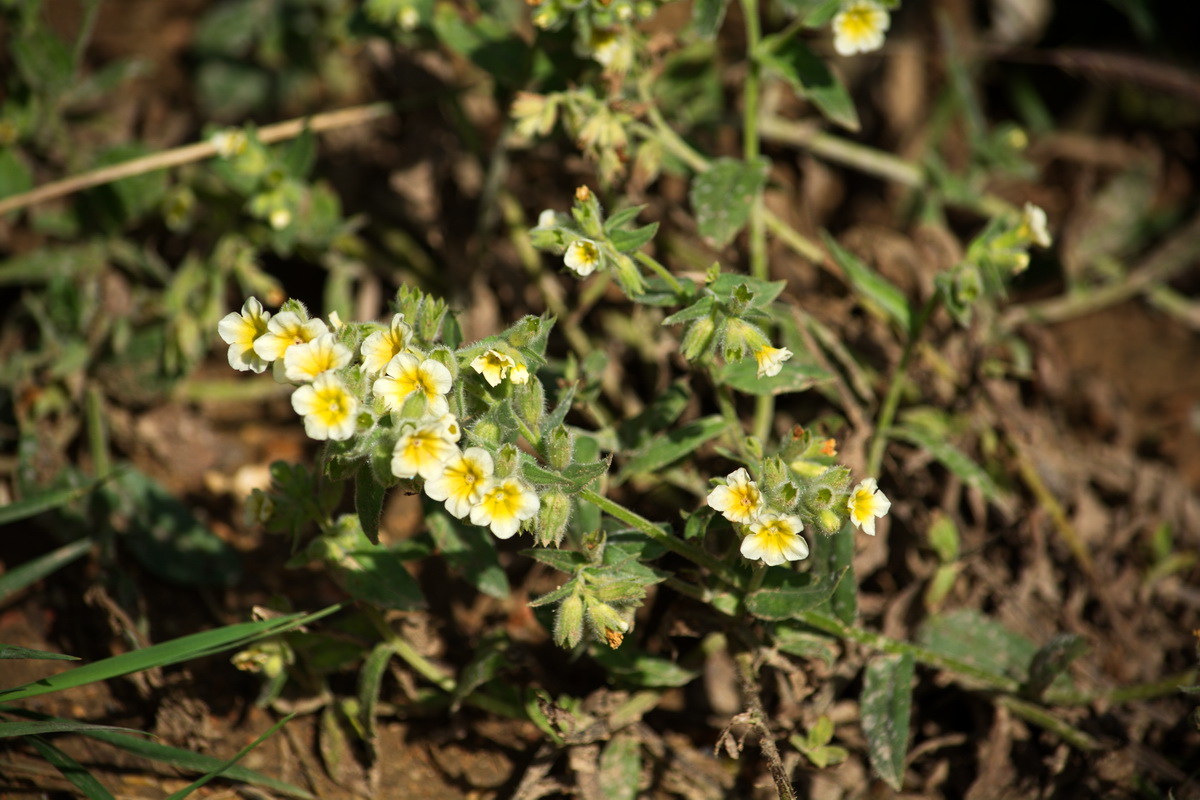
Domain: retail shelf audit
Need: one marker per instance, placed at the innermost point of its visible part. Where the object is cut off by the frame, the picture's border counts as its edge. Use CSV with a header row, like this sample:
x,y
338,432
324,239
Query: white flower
x,y
774,539
503,505
304,362
229,143
494,366
461,481
328,408
1034,226
859,27
582,256
407,375
770,360
381,346
285,330
547,219
865,504
739,500
240,331
519,374
422,450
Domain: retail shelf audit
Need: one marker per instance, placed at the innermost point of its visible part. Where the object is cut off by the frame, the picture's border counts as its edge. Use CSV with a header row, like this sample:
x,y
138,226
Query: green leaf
x,y
562,560
195,762
492,45
368,502
470,550
871,284
12,651
666,408
72,770
886,703
835,556
979,641
809,77
794,377
485,663
763,292
370,680
375,574
15,175
164,535
723,196
33,571
38,727
813,13
117,204
950,457
620,218
186,648
635,666
299,155
584,473
786,594
224,767
697,310
667,448
44,61
30,506
620,767
1051,661
707,16
629,241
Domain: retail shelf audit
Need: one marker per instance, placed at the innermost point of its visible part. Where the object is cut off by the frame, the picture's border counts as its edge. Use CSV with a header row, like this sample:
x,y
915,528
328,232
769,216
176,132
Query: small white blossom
x,y
382,346
739,500
229,143
461,480
547,219
328,408
770,360
304,362
865,504
503,505
285,330
582,256
859,27
240,332
407,375
774,539
1034,225
422,450
493,366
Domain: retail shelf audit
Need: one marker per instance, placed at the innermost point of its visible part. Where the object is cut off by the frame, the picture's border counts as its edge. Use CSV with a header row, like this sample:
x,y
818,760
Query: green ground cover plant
x,y
658,451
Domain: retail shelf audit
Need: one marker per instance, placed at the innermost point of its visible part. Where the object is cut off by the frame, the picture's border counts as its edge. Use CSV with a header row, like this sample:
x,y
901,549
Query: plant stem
x,y
661,271
750,144
887,412
672,543
186,154
758,718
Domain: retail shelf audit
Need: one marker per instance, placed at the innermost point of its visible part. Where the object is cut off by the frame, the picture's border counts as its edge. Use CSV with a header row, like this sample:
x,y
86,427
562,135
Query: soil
x,y
1098,439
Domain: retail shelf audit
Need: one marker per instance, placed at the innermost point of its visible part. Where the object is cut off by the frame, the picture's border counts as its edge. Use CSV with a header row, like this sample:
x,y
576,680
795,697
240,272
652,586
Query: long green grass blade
x,y
72,770
30,506
196,762
185,648
34,727
12,651
33,571
221,770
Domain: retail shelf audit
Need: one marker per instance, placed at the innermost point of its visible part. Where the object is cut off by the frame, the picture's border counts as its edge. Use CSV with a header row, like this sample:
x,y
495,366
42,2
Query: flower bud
x,y
445,357
604,618
560,448
829,521
487,433
568,623
507,461
552,519
530,401
629,276
698,339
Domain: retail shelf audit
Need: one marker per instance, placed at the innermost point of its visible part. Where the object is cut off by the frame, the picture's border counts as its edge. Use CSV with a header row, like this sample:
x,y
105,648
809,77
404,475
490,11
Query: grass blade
x,y
184,648
72,770
12,651
31,506
33,571
221,770
35,727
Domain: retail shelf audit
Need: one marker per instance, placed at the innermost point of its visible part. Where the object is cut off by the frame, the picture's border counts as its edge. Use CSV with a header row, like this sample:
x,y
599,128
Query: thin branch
x,y
187,154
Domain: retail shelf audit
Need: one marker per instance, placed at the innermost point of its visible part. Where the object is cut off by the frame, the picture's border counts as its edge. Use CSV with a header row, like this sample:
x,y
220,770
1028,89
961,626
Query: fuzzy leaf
x,y
793,378
870,284
667,448
723,196
368,502
620,767
886,703
786,594
810,77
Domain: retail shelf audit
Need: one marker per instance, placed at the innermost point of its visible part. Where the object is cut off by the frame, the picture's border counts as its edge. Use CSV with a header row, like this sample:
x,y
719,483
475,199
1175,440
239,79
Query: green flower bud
x,y
829,521
507,462
587,213
607,622
560,448
552,519
629,276
445,357
698,339
529,398
568,623
487,434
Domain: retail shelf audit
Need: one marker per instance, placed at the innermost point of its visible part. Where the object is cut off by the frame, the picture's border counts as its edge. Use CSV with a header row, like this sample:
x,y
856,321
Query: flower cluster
x,y
773,535
359,385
